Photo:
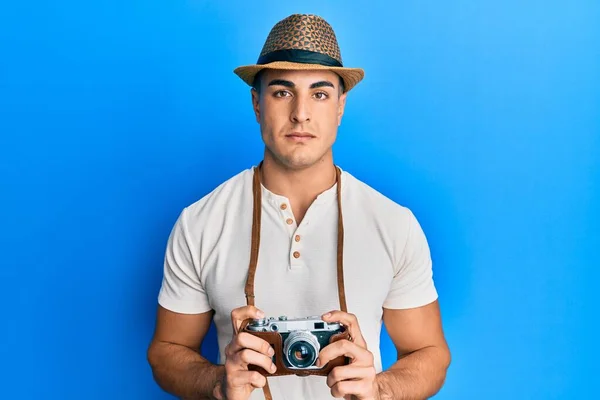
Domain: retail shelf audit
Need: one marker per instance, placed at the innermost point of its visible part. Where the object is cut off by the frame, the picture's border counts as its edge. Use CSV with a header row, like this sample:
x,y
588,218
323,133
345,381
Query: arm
x,y
184,317
174,356
423,354
412,318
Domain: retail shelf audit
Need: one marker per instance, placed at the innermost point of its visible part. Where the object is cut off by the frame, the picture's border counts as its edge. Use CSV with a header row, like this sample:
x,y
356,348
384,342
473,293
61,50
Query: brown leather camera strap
x,y
256,220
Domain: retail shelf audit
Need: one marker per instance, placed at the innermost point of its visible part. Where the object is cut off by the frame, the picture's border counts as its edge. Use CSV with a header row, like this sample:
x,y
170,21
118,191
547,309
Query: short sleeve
x,y
412,285
182,290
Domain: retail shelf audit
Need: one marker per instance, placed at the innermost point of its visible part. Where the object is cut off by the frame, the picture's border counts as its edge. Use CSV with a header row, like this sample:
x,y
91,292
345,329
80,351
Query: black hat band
x,y
299,56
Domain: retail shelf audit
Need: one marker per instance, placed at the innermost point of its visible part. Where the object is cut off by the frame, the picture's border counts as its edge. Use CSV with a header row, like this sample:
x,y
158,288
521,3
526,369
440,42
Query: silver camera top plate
x,y
283,324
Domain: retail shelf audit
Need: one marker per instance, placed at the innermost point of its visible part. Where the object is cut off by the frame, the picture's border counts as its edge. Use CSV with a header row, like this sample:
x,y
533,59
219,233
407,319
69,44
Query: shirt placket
x,y
295,236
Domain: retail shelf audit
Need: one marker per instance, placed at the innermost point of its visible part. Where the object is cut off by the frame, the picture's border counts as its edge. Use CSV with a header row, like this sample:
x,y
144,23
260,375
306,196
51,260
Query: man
x,y
299,90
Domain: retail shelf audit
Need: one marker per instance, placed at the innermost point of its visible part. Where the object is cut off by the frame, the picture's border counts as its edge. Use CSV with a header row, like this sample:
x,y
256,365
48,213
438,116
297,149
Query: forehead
x,y
301,77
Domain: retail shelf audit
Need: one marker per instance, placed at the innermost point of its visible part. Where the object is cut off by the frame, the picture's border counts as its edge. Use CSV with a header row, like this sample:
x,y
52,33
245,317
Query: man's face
x,y
299,113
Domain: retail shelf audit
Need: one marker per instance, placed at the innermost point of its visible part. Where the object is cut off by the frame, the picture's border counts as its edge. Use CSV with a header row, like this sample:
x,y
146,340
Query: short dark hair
x,y
256,84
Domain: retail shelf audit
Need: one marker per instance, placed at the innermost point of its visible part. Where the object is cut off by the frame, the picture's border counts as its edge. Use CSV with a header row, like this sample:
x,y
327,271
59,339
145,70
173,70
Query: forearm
x,y
419,375
183,372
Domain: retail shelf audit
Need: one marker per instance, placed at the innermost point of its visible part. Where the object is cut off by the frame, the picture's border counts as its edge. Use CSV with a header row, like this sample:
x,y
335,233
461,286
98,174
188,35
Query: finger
x,y
241,378
347,388
350,322
246,340
238,315
349,372
245,357
358,355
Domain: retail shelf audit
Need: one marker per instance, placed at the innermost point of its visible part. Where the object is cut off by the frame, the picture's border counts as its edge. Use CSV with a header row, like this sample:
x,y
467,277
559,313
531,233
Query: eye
x,y
282,93
321,95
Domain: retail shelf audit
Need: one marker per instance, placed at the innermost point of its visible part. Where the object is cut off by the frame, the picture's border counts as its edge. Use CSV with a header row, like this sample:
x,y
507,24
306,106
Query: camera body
x,y
297,343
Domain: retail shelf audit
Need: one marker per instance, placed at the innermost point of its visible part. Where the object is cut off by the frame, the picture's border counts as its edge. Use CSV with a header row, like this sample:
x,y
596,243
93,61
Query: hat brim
x,y
350,76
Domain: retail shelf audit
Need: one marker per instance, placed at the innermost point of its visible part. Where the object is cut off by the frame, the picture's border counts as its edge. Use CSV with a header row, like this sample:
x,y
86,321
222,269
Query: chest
x,y
296,273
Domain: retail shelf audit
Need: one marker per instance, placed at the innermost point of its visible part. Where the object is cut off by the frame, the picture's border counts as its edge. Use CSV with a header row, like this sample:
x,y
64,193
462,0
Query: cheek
x,y
275,114
328,118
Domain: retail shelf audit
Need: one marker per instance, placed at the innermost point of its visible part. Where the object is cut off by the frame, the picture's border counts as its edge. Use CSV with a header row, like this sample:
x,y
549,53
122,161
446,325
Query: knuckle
x,y
244,355
229,370
338,390
265,347
256,376
239,338
258,379
335,374
346,345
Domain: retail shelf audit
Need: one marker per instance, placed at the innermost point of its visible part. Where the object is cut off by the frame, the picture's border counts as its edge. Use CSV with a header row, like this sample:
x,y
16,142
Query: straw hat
x,y
301,42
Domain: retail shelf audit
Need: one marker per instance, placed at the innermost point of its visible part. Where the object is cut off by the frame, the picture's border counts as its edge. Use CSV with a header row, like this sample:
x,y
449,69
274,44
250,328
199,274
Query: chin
x,y
297,158
293,164
298,163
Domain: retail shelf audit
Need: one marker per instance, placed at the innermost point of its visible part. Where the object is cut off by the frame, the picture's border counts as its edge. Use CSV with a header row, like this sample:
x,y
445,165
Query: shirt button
x,y
289,221
296,254
297,238
283,206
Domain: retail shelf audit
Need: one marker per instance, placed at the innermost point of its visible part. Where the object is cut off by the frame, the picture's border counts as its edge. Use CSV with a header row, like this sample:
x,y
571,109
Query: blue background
x,y
483,117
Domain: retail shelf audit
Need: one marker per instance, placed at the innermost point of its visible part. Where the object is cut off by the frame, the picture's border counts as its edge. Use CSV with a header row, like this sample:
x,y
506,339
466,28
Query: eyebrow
x,y
289,84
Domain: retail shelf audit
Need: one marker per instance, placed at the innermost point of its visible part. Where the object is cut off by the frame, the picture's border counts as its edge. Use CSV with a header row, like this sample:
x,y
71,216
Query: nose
x,y
300,110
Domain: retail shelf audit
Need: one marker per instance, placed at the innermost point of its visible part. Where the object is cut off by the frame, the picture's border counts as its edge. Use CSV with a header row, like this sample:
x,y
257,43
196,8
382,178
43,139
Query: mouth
x,y
300,136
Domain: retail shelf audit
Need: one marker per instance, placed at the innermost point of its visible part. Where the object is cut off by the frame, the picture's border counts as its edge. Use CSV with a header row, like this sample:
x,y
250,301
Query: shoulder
x,y
372,212
230,196
394,224
374,203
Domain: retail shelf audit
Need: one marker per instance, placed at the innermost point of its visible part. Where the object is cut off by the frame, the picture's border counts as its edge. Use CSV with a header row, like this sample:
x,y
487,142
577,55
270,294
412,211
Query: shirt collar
x,y
324,197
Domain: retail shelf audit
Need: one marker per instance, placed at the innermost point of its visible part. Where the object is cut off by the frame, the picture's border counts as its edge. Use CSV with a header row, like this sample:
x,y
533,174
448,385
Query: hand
x,y
244,349
357,379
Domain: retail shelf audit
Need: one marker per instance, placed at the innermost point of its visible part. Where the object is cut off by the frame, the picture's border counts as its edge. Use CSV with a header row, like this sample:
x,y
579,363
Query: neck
x,y
302,186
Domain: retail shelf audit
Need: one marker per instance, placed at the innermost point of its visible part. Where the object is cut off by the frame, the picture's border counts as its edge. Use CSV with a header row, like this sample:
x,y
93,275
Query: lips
x,y
301,135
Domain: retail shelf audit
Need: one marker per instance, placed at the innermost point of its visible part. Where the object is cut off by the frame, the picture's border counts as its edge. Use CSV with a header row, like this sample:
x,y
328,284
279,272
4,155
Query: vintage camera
x,y
297,343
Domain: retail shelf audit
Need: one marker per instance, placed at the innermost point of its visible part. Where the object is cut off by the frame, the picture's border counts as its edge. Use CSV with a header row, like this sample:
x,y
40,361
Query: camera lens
x,y
301,349
301,355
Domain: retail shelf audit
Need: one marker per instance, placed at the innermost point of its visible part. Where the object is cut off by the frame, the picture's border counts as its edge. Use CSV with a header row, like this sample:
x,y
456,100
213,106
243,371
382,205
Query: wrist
x,y
382,387
218,393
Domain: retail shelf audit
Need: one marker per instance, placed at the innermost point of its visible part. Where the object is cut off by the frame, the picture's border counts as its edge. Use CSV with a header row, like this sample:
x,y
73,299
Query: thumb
x,y
240,314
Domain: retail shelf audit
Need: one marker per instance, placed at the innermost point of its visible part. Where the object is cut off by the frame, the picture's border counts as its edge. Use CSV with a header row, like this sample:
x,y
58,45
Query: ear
x,y
341,107
256,104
